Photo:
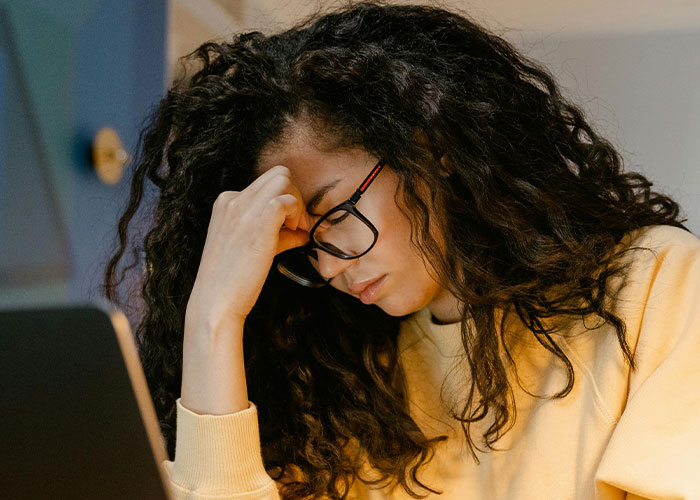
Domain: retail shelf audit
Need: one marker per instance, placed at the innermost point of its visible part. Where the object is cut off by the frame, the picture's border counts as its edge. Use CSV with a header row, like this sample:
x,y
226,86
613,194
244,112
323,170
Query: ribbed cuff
x,y
218,453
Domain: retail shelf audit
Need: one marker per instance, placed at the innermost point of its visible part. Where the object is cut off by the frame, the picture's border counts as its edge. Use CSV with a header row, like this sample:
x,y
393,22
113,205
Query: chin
x,y
398,308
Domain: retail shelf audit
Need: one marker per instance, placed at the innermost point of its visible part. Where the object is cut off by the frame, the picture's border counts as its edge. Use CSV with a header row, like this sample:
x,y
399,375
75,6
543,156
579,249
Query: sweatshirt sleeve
x,y
219,457
654,452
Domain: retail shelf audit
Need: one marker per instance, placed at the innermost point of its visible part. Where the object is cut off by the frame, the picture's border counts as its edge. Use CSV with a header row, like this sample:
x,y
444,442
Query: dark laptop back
x,y
70,418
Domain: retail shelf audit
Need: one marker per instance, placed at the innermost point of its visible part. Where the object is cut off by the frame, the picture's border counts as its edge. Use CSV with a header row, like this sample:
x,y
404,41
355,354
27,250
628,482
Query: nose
x,y
330,266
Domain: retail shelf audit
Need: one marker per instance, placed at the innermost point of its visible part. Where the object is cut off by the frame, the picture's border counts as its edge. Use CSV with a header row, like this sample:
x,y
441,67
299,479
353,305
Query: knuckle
x,y
275,204
283,181
279,203
281,169
231,202
231,198
223,197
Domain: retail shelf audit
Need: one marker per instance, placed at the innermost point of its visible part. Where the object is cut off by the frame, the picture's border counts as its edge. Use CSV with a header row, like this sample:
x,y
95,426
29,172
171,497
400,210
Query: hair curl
x,y
532,201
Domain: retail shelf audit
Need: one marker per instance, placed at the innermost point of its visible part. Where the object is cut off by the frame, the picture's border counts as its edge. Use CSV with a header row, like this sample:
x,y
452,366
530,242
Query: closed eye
x,y
339,219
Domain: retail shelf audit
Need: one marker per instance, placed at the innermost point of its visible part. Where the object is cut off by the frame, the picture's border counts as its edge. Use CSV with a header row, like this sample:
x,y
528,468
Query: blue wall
x,y
68,69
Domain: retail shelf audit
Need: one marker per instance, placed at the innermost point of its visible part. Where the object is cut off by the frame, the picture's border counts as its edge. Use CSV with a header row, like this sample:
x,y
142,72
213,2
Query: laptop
x,y
76,418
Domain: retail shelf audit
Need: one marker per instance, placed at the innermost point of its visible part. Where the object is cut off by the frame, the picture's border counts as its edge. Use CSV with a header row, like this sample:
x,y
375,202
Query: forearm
x,y
213,369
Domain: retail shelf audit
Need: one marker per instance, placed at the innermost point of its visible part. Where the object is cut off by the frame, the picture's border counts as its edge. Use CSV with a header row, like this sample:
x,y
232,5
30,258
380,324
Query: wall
x,y
69,68
642,92
633,65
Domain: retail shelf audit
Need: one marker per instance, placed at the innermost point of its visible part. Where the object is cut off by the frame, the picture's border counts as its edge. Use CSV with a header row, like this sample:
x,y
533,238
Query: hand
x,y
247,230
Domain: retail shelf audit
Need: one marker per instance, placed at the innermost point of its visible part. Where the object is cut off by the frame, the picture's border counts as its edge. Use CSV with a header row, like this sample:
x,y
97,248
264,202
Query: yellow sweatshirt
x,y
619,434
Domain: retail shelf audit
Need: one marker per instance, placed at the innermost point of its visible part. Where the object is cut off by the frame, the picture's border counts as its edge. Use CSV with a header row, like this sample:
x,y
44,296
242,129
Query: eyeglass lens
x,y
340,233
344,233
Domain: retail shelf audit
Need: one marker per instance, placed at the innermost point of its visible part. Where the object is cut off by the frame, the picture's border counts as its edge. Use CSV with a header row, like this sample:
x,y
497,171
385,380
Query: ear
x,y
447,168
422,138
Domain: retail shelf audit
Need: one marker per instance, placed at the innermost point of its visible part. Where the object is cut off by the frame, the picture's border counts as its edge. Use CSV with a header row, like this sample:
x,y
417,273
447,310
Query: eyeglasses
x,y
348,235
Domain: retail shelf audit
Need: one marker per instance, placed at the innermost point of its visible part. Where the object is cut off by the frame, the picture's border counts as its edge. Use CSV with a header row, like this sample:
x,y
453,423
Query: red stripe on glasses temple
x,y
371,176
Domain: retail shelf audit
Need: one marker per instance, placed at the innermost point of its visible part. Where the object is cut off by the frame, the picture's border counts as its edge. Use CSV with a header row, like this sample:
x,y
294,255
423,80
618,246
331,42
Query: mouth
x,y
359,286
370,292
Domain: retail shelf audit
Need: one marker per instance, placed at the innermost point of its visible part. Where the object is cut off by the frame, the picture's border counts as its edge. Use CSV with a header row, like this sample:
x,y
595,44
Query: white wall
x,y
633,65
642,92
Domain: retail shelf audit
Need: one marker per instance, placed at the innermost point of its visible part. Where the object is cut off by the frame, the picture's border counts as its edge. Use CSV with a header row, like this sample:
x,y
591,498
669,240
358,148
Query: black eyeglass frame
x,y
348,205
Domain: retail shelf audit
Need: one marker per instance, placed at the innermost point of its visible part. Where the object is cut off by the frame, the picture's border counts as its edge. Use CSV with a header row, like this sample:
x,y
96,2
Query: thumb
x,y
291,238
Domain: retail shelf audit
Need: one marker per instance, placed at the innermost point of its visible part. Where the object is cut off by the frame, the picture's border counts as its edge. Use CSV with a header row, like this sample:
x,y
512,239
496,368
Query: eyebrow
x,y
318,195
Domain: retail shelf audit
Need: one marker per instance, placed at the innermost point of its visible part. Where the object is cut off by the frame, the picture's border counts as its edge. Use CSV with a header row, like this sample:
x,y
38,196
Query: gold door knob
x,y
109,155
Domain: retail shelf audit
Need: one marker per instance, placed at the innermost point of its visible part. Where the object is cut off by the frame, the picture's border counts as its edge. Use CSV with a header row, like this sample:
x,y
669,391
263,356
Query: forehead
x,y
311,162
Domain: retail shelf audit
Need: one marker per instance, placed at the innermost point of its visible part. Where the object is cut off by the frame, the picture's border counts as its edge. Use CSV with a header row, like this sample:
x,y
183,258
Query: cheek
x,y
398,249
394,231
398,254
393,226
394,247
411,286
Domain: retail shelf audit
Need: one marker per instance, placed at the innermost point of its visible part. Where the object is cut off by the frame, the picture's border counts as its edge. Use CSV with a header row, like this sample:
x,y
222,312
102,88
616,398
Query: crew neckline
x,y
446,337
437,322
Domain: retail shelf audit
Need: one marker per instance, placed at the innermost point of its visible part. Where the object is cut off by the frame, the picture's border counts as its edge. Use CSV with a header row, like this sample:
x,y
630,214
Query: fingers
x,y
302,219
279,183
286,207
290,239
273,194
281,210
266,177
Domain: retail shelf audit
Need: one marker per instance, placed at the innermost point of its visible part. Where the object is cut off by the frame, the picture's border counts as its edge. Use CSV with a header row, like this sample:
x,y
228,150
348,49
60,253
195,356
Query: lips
x,y
358,288
370,294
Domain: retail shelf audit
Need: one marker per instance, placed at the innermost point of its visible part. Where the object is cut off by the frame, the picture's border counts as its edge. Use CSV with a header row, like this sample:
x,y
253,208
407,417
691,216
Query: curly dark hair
x,y
532,203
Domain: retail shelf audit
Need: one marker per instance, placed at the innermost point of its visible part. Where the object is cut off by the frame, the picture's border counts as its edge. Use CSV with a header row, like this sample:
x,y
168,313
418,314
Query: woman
x,y
488,306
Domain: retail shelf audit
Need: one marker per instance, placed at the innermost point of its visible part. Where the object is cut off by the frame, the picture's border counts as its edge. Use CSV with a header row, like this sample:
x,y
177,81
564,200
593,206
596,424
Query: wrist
x,y
213,371
208,329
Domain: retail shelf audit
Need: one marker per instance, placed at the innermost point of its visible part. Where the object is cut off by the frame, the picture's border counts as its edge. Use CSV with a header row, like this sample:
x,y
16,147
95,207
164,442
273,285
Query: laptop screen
x,y
76,419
